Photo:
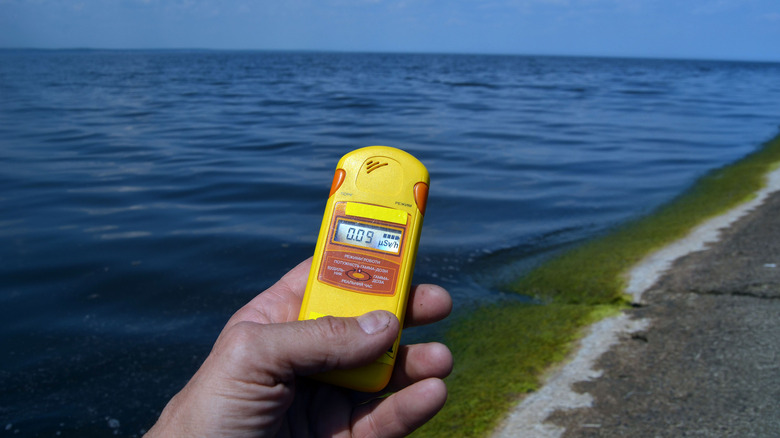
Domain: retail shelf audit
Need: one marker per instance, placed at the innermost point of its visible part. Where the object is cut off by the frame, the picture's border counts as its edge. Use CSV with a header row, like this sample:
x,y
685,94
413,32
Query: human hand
x,y
252,383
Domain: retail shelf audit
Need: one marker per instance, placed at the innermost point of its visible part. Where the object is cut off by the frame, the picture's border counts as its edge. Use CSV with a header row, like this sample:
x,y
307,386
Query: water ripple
x,y
147,195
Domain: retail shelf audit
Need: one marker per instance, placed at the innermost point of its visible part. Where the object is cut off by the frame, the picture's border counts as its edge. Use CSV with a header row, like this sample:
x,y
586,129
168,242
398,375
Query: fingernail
x,y
374,322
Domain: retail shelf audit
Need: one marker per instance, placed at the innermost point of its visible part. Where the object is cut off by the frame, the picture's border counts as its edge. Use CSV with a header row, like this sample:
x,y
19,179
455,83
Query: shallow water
x,y
148,195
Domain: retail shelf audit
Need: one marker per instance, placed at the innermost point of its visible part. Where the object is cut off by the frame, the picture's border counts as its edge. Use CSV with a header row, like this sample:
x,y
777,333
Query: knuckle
x,y
335,329
235,342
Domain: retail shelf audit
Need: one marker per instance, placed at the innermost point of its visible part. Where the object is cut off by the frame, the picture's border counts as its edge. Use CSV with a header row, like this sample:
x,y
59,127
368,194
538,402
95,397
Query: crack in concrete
x,y
740,293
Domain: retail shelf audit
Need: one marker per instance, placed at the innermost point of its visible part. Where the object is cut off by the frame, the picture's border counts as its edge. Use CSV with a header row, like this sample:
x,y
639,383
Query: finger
x,y
401,413
294,282
280,302
419,362
414,363
269,353
428,303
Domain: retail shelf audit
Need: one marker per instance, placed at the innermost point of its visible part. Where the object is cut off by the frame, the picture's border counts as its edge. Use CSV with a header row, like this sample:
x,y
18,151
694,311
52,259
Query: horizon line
x,y
390,52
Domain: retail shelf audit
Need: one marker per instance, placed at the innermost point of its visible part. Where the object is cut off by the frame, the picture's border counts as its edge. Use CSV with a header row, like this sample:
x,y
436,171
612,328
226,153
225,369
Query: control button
x,y
421,196
358,275
338,180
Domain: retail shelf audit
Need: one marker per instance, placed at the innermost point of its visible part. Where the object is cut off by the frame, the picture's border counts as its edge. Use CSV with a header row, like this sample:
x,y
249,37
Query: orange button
x,y
338,180
358,275
421,196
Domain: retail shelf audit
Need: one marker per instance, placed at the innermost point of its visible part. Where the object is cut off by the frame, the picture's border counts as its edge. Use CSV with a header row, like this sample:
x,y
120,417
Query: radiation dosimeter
x,y
365,253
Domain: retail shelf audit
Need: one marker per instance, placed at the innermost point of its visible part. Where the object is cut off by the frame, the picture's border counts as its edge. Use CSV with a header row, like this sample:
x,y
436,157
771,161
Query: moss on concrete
x,y
502,351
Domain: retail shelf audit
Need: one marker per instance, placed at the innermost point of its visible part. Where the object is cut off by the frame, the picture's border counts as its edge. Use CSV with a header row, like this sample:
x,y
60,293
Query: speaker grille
x,y
372,165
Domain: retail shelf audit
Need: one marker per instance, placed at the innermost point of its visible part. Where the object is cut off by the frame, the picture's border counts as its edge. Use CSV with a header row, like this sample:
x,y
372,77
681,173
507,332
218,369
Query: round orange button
x,y
358,275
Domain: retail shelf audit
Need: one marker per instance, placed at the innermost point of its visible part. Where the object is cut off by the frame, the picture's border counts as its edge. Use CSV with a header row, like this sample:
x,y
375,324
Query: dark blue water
x,y
145,196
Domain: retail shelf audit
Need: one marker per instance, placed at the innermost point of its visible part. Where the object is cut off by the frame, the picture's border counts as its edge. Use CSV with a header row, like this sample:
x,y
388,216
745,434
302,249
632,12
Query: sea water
x,y
147,195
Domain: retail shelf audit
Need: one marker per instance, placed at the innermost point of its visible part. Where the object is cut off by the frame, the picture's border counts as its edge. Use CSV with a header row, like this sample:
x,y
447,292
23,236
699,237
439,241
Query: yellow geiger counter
x,y
365,253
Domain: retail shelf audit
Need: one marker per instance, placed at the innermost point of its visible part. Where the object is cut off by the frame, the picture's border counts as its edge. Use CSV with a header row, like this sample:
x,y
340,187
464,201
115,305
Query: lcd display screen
x,y
368,236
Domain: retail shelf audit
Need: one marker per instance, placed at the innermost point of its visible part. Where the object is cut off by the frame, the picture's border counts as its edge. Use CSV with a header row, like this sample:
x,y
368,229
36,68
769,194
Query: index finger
x,y
428,303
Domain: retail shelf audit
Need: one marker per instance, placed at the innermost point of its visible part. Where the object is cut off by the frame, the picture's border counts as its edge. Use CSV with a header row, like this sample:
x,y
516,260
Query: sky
x,y
695,29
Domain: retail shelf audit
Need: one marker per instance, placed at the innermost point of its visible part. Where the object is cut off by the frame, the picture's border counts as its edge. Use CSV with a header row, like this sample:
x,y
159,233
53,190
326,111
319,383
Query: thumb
x,y
280,351
330,343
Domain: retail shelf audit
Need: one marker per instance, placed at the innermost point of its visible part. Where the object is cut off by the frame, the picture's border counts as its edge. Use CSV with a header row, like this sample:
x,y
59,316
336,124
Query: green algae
x,y
502,351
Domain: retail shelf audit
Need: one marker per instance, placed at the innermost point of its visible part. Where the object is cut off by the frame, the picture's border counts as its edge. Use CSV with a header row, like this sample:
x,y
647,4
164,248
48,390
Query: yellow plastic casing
x,y
367,245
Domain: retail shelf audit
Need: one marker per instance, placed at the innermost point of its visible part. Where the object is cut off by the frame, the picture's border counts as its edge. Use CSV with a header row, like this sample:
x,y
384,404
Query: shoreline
x,y
507,355
529,417
650,269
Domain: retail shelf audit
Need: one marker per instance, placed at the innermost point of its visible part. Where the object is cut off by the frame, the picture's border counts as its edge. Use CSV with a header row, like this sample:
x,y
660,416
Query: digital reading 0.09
x,y
368,236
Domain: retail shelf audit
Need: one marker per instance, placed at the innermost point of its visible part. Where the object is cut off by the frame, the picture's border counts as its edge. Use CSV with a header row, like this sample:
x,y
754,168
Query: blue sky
x,y
711,29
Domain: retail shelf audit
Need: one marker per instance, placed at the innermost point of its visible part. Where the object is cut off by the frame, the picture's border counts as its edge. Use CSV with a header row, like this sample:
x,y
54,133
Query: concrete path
x,y
699,355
